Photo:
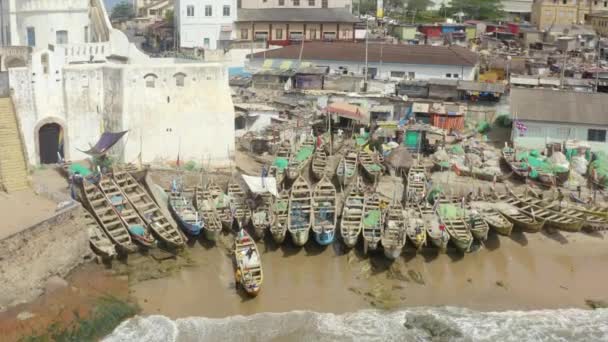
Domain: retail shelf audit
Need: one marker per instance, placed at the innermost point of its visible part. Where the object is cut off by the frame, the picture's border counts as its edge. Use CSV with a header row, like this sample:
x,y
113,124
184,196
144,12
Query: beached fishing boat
x,y
319,164
203,202
372,168
98,240
520,169
416,229
416,185
299,215
453,218
493,218
393,235
135,224
565,219
352,215
221,201
523,220
249,273
479,227
325,213
107,217
372,222
281,161
347,168
146,207
278,223
299,160
260,216
435,231
183,211
238,202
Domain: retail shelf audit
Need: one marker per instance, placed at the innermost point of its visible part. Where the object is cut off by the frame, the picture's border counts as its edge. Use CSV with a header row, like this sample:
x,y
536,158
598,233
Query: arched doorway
x,y
14,62
50,139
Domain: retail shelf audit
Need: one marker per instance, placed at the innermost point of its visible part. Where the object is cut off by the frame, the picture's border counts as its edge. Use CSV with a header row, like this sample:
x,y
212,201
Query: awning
x,y
106,141
259,185
347,110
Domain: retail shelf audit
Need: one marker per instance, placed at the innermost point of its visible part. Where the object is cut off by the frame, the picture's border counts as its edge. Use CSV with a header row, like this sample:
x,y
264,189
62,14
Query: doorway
x,y
51,143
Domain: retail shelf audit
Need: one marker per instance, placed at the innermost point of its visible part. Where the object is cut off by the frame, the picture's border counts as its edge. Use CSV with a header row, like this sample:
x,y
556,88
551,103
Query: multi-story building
x,y
563,12
282,21
206,24
155,10
521,9
599,22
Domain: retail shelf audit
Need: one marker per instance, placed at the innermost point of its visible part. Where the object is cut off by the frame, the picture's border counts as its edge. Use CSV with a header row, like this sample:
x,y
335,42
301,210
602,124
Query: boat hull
x,y
300,237
441,243
502,229
351,241
325,238
259,231
211,235
463,245
279,236
480,234
371,245
392,253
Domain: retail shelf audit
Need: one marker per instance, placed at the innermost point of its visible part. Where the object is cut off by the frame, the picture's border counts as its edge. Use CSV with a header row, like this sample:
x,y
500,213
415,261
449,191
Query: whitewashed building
x,y
68,93
206,24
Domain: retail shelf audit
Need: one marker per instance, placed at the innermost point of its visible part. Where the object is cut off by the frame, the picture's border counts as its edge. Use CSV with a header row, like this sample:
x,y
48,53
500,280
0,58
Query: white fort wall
x,y
196,119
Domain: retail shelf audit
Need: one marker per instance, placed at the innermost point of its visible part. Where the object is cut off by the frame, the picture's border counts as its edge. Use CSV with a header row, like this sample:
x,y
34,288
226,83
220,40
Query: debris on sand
x,y
596,304
437,329
395,272
500,283
416,277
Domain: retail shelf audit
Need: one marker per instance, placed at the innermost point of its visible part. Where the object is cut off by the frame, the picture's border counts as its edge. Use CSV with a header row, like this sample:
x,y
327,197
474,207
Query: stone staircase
x,y
13,166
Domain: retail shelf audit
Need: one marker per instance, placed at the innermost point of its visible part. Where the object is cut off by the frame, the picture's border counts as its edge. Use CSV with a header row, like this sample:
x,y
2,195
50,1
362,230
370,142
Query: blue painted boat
x,y
325,216
184,212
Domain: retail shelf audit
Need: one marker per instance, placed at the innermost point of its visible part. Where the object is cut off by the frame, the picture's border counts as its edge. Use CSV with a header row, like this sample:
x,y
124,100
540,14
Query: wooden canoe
x,y
370,165
149,211
319,164
566,219
203,202
136,226
437,233
238,202
283,152
98,240
107,217
278,223
184,212
479,227
394,235
347,168
248,262
521,219
459,230
372,222
496,220
260,216
416,231
352,215
299,160
300,211
222,204
325,213
416,185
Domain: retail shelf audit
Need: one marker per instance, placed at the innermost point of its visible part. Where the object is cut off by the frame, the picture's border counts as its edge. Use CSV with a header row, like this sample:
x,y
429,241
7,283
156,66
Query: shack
x,y
443,89
415,89
275,79
310,77
474,91
347,116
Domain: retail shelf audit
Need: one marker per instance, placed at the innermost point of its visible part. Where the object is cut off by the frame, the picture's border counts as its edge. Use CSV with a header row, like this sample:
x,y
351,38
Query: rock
x,y
437,329
500,284
25,315
596,304
55,283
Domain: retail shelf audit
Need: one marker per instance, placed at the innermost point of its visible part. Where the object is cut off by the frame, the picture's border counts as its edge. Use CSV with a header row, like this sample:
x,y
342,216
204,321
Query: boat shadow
x,y
312,248
289,248
206,244
379,263
519,237
269,244
555,235
493,241
595,234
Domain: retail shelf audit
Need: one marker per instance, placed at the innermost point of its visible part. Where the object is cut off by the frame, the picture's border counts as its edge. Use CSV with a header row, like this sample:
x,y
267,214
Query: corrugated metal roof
x,y
316,15
481,86
355,52
559,106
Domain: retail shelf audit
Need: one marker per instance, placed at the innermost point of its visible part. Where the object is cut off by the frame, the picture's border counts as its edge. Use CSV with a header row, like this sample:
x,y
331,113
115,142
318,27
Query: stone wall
x,y
50,248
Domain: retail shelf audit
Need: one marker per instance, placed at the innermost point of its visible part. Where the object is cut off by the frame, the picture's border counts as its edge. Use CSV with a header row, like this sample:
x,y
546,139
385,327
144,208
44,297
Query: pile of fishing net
x,y
450,211
599,167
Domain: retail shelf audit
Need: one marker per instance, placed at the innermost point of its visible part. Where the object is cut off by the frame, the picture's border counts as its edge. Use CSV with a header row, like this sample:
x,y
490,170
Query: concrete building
x,y
385,61
205,24
156,10
280,21
517,9
554,116
552,12
599,22
68,94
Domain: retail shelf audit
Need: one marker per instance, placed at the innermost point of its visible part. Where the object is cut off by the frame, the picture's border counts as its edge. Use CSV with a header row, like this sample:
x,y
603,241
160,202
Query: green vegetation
x,y
108,313
122,11
475,9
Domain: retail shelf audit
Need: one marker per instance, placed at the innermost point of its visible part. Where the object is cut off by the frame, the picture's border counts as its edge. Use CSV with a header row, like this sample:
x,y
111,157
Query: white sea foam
x,y
423,324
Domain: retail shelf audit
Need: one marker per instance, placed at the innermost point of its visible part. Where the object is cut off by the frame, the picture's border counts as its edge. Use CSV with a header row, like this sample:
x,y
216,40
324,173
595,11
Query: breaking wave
x,y
417,324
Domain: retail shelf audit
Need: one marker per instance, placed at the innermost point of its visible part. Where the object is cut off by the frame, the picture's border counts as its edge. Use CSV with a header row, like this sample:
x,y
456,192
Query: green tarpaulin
x,y
450,211
372,219
81,169
411,138
304,153
375,167
281,163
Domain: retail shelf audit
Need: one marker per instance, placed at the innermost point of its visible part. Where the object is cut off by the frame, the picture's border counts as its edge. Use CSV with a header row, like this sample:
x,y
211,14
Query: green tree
x,y
123,10
169,17
477,9
418,5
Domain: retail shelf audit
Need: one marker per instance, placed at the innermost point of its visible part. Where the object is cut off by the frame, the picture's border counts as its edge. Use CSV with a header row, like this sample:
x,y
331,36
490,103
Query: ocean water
x,y
417,324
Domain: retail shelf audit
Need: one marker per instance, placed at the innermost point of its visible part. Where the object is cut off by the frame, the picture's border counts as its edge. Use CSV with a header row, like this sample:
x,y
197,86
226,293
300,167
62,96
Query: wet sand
x,y
522,272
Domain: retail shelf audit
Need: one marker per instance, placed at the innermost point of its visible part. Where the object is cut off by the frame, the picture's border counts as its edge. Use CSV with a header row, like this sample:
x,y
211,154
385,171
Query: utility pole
x,y
597,70
563,71
366,53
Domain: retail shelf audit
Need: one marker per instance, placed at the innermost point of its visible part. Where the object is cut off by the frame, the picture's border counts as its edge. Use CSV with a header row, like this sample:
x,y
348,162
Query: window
x,y
324,3
455,75
448,75
152,12
208,10
86,34
244,34
411,75
31,36
62,37
278,34
346,34
239,4
596,135
605,3
226,10
398,74
261,36
565,2
150,80
295,35
179,79
311,3
190,11
281,2
329,35
206,43
296,2
312,34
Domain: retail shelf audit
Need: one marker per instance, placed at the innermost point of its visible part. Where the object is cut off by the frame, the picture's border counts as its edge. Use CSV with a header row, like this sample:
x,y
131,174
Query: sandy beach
x,y
522,272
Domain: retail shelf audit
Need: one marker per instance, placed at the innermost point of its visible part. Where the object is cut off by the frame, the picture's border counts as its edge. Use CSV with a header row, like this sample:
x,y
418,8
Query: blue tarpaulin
x,y
106,141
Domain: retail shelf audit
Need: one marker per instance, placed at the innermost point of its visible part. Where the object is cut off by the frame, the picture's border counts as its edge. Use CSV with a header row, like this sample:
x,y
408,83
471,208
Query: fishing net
x,y
372,219
280,206
137,230
304,153
482,127
375,167
450,211
79,168
600,167
457,149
